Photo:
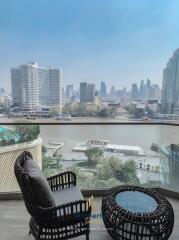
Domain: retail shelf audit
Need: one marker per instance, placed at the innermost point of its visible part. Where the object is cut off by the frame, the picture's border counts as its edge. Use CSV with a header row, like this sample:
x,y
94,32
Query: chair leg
x,y
87,236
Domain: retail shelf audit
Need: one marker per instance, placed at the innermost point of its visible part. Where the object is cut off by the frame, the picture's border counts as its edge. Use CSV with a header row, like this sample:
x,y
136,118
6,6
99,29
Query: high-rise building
x,y
91,92
50,87
103,89
134,91
170,85
69,91
24,83
149,89
113,91
33,86
87,92
83,92
155,92
142,90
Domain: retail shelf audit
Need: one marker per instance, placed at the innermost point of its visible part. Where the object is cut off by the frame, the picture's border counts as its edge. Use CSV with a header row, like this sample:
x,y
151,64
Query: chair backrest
x,y
24,183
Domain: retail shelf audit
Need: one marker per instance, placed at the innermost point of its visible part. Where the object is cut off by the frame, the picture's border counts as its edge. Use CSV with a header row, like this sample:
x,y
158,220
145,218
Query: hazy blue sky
x,y
117,41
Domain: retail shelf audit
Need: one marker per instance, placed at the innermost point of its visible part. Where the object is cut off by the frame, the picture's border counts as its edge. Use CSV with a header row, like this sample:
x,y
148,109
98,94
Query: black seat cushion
x,y
41,189
67,195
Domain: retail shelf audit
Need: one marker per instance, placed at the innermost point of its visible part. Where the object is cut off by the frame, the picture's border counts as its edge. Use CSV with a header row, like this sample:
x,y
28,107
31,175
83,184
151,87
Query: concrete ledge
x,y
10,196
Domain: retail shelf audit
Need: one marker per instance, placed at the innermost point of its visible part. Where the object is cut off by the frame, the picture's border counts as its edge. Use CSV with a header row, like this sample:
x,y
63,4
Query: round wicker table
x,y
134,212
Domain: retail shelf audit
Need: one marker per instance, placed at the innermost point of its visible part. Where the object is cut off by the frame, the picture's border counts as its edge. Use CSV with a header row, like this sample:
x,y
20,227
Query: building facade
x,y
83,92
87,92
24,82
69,91
134,92
103,89
33,86
50,88
91,92
170,85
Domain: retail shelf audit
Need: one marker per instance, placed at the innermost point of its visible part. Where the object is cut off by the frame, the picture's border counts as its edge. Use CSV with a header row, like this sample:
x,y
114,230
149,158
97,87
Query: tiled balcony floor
x,y
14,222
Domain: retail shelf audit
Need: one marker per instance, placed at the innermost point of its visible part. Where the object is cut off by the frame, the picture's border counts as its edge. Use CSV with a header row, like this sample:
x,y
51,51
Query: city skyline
x,y
102,84
124,45
103,87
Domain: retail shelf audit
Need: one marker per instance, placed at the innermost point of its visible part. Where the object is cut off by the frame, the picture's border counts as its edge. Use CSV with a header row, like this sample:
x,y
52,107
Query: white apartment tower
x,y
33,86
24,82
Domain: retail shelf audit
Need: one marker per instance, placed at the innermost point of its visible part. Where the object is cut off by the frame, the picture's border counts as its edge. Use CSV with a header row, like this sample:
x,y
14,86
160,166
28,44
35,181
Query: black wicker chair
x,y
57,222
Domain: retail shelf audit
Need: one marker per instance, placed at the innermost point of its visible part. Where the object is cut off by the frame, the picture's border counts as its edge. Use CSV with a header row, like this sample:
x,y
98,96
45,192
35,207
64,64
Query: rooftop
x,y
14,221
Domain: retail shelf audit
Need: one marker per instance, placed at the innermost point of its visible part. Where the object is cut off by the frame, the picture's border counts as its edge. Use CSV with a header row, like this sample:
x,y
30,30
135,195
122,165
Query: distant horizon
x,y
119,41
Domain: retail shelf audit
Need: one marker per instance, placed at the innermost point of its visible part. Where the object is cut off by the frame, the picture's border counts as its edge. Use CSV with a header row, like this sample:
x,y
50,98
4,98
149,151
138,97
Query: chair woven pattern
x,y
122,224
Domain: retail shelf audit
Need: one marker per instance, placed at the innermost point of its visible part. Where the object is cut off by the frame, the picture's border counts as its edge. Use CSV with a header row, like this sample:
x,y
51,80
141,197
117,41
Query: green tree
x,y
44,150
149,112
111,182
126,172
45,162
130,108
139,113
105,170
81,111
54,111
49,168
27,132
59,158
104,113
114,162
94,155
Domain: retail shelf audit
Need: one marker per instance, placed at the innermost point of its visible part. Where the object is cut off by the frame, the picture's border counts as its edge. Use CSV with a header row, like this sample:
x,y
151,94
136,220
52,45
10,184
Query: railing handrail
x,y
93,123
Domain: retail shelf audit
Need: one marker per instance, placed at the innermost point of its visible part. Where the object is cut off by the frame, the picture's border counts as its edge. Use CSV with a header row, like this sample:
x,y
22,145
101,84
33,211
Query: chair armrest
x,y
66,214
62,180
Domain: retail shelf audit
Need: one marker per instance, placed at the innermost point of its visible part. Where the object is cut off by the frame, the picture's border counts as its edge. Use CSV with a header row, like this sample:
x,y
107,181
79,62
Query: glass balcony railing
x,y
101,155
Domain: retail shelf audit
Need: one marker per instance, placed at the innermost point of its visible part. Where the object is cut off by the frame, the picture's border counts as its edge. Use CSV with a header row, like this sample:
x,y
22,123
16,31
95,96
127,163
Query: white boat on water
x,y
64,117
106,146
60,144
126,149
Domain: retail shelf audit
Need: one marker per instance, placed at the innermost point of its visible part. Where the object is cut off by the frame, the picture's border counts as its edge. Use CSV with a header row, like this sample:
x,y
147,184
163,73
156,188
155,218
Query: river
x,y
136,135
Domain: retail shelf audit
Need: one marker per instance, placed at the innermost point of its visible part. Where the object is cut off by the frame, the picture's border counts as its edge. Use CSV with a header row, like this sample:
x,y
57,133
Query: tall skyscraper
x,y
155,92
149,89
170,85
103,89
69,91
87,92
134,91
113,91
91,92
50,89
33,86
141,89
83,92
24,83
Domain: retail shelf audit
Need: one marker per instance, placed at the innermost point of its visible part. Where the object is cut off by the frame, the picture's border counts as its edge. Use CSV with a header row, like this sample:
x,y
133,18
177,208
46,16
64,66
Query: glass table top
x,y
137,202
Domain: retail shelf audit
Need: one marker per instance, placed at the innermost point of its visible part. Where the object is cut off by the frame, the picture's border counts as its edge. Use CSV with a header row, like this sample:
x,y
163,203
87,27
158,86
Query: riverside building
x,y
34,86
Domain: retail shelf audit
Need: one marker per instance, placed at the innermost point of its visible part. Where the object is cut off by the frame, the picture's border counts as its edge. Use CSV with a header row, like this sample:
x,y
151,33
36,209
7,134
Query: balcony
x,y
145,154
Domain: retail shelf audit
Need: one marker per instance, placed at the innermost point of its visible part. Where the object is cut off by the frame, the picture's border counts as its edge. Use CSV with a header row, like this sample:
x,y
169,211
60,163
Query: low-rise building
x,y
120,113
